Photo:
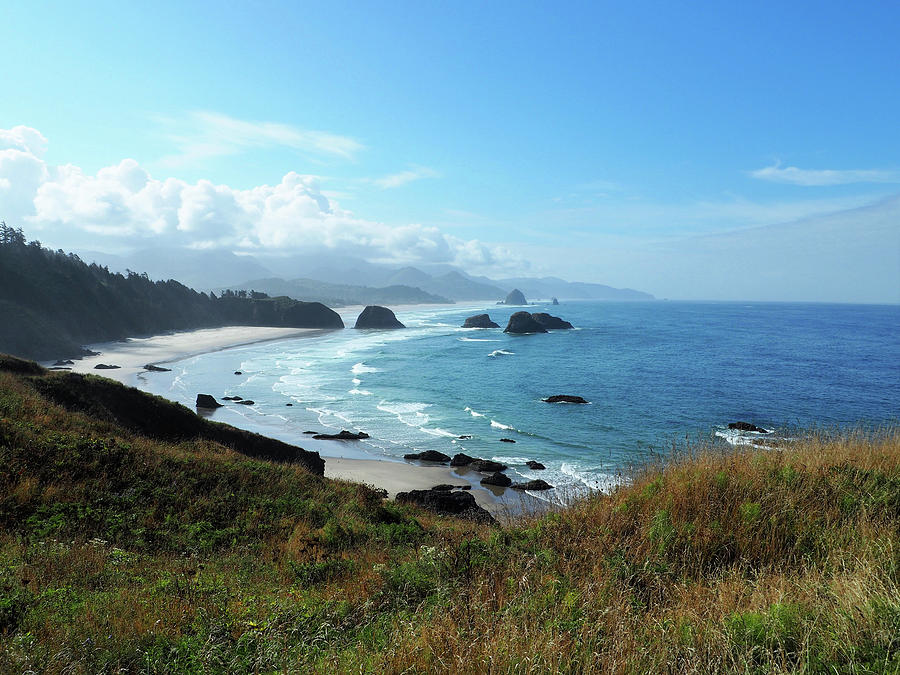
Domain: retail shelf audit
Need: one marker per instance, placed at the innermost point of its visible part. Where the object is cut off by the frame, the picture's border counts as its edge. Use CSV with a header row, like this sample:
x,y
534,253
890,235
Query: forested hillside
x,y
52,303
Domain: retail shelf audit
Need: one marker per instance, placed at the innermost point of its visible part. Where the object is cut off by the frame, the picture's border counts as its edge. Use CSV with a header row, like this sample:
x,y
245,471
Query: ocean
x,y
655,373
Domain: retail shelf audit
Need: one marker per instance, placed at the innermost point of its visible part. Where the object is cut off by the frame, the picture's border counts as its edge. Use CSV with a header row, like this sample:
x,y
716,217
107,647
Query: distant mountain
x,y
553,287
342,294
460,287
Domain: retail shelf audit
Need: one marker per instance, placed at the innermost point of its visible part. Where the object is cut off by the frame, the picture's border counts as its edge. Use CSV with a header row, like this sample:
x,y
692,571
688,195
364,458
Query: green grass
x,y
121,550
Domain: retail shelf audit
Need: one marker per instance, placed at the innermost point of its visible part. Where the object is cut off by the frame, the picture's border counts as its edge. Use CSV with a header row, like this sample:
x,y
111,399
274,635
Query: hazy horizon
x,y
723,153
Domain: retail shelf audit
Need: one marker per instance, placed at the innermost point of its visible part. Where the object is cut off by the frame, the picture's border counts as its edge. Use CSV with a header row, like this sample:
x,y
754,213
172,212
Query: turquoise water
x,y
654,373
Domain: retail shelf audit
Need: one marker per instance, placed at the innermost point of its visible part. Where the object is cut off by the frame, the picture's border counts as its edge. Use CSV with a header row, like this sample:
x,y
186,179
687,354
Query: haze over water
x,y
654,372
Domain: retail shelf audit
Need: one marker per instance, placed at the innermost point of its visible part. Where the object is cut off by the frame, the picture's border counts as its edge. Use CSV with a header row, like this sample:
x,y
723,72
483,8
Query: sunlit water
x,y
653,372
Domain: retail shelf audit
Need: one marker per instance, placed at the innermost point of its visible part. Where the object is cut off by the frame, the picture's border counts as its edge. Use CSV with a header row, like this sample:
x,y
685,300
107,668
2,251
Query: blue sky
x,y
623,143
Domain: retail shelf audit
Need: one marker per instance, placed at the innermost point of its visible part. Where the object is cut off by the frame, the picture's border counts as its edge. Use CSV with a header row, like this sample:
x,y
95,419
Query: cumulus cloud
x,y
213,135
817,177
123,206
399,179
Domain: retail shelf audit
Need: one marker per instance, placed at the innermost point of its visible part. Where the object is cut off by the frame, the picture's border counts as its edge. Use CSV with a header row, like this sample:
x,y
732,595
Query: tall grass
x,y
121,552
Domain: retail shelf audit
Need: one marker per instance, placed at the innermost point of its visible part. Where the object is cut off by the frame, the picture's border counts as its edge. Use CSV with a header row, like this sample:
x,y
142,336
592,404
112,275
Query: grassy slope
x,y
118,550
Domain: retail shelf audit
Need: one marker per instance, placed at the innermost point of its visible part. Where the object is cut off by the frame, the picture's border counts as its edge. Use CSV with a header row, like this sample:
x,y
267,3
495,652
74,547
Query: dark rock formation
x,y
232,398
515,297
207,401
446,487
461,459
105,366
555,302
311,433
533,485
487,466
375,316
507,440
465,437
344,435
64,362
238,372
746,426
428,456
534,465
564,398
480,321
157,369
550,322
455,503
498,479
289,405
245,401
523,322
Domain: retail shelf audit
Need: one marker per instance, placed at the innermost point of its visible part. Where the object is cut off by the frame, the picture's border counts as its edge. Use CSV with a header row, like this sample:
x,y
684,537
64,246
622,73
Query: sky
x,y
694,150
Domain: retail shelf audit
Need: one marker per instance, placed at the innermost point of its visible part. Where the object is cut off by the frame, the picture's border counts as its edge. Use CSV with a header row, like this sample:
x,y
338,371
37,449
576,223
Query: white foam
x,y
510,460
360,392
499,425
473,413
468,339
736,437
501,352
357,381
360,368
437,431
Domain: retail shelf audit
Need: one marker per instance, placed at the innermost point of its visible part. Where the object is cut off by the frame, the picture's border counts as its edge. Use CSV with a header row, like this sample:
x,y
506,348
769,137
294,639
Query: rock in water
x,y
487,466
105,366
555,302
498,479
507,440
534,465
550,322
446,487
746,426
523,322
480,321
207,401
375,316
344,435
245,401
442,502
461,459
515,297
428,456
564,398
157,369
533,485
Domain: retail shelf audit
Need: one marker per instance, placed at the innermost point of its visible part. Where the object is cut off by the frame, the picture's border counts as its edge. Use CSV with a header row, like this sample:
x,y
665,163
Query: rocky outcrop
x,y
550,322
375,316
507,440
206,401
555,302
746,426
480,321
565,398
238,372
535,465
446,487
523,322
64,362
447,503
498,479
106,366
487,466
156,369
344,435
428,456
515,297
245,401
532,485
461,459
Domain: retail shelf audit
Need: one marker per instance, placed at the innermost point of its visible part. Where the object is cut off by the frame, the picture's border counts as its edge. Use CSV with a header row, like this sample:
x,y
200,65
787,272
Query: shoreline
x,y
131,354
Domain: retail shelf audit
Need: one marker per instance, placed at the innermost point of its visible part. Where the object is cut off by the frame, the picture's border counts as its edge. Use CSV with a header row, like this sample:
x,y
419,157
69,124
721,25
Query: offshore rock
x,y
375,316
565,398
207,401
480,321
550,322
461,459
498,479
555,302
523,322
515,297
534,465
344,435
746,426
157,369
428,456
488,466
106,366
533,485
446,487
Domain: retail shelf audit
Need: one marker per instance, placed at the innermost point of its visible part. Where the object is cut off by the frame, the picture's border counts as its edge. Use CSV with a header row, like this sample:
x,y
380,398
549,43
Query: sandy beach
x,y
132,354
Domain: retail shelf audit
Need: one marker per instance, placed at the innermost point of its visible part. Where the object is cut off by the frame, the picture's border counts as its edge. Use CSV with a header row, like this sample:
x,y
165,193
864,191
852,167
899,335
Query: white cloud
x,y
123,206
404,177
817,177
206,135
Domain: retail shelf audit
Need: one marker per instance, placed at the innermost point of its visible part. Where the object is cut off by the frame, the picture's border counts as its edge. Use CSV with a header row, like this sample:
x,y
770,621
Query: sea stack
x,y
515,297
523,322
375,316
550,322
480,321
